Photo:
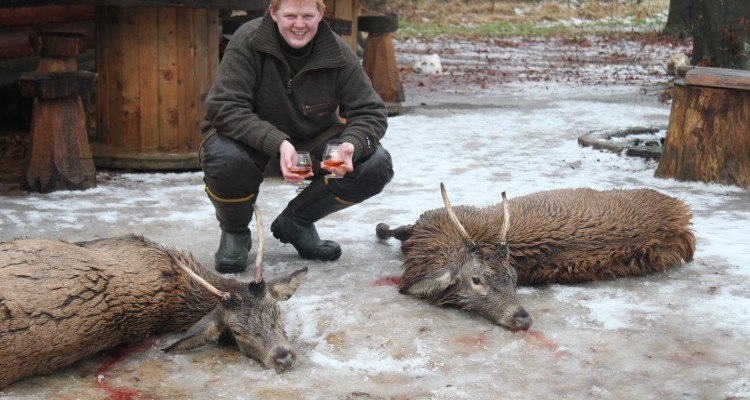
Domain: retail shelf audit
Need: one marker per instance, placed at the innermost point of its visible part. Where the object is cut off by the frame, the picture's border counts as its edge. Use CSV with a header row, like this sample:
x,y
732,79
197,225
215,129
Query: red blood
x,y
115,393
542,340
118,355
388,281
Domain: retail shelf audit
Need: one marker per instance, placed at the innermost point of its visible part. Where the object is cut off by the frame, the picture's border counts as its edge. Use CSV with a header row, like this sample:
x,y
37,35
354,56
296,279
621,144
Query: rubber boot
x,y
295,225
234,217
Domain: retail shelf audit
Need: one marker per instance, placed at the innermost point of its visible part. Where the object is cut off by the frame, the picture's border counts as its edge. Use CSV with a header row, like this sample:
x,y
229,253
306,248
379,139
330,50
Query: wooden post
x,y
708,138
346,10
155,69
57,50
59,157
379,60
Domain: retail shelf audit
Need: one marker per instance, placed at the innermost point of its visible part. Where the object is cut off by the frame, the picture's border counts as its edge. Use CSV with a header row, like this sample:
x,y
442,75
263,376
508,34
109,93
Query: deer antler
x,y
259,256
453,216
506,226
223,295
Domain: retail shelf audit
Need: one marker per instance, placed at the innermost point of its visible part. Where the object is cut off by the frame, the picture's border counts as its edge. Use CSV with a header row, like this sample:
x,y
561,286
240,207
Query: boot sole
x,y
305,254
229,269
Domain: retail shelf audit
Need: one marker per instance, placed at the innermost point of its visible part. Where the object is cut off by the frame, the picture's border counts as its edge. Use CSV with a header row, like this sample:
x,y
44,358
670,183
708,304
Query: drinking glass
x,y
302,167
333,157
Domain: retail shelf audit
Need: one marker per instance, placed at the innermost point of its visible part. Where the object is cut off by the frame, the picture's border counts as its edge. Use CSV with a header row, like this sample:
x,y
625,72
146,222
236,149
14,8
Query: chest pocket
x,y
323,110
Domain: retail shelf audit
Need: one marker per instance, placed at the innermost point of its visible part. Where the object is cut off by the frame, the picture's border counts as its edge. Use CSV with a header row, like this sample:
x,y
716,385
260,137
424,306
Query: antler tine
x,y
453,216
506,219
223,295
259,256
506,226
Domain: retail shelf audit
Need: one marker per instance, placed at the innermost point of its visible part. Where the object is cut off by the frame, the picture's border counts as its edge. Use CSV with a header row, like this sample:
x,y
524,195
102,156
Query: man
x,y
281,86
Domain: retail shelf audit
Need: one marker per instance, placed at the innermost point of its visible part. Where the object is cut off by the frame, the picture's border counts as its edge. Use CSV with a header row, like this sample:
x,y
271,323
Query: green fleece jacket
x,y
254,100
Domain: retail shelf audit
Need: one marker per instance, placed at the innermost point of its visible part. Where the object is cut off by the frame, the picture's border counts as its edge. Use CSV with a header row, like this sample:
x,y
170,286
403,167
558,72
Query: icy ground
x,y
677,335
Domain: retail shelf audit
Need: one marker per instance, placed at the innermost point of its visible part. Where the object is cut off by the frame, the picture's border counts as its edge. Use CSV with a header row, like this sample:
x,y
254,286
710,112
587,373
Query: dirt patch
x,y
500,65
447,13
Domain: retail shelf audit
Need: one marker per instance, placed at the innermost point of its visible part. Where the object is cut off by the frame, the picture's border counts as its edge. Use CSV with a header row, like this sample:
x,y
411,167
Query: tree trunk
x,y
721,33
678,20
708,139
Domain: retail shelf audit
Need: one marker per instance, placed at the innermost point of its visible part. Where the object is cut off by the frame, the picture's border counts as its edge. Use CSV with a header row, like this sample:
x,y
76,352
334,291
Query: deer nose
x,y
283,358
522,319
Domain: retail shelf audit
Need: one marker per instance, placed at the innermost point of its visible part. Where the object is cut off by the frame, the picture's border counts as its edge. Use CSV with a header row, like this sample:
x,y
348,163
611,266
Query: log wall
x,y
16,24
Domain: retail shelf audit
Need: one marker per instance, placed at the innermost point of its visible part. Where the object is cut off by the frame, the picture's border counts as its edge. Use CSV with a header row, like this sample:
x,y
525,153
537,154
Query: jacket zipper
x,y
289,83
306,109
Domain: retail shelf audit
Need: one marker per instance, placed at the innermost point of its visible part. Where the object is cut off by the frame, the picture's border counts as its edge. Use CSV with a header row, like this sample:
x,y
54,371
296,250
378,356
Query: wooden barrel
x,y
155,68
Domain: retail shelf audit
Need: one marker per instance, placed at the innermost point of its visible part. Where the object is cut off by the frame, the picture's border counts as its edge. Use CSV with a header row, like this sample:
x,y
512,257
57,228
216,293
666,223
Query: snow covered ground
x,y
677,335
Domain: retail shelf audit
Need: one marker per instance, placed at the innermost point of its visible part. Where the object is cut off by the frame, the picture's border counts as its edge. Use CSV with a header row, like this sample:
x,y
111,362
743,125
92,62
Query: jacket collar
x,y
326,51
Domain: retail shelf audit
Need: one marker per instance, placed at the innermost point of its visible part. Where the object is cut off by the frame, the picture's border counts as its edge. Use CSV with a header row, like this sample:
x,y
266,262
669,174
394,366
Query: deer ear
x,y
207,329
283,287
431,284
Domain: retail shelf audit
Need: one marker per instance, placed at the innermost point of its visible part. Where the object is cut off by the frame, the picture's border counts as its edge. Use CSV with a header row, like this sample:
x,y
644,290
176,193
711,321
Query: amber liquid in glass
x,y
332,163
301,171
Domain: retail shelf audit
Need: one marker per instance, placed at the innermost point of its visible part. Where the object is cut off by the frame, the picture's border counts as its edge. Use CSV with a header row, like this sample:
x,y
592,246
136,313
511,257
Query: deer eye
x,y
475,280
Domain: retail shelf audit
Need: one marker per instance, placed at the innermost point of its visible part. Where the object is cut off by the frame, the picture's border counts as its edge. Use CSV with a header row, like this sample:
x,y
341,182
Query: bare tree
x,y
678,20
721,33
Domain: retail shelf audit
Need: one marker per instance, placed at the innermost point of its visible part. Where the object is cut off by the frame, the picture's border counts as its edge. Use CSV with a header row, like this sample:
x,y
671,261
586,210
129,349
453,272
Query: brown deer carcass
x,y
60,302
473,258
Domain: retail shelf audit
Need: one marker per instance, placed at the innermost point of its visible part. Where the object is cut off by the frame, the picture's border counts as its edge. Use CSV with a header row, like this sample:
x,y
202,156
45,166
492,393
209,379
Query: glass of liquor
x,y
302,168
332,158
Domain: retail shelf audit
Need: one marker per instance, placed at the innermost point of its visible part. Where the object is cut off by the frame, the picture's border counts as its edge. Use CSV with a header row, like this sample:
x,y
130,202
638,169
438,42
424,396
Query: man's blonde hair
x,y
276,3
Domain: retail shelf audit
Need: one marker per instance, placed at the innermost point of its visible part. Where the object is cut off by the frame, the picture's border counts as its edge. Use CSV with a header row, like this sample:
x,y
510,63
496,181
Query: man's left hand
x,y
347,150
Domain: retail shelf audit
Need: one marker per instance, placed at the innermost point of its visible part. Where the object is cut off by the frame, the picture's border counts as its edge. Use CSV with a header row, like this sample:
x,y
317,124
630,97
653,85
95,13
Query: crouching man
x,y
283,85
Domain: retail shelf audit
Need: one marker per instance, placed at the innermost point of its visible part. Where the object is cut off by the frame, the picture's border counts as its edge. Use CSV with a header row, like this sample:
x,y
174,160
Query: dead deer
x,y
473,258
60,302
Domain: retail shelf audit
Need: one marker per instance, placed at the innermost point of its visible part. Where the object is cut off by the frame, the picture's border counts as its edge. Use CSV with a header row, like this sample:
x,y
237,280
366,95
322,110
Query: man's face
x,y
297,21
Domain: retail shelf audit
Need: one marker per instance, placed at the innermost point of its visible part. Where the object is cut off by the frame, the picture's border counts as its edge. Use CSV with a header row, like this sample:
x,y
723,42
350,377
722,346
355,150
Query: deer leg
x,y
401,233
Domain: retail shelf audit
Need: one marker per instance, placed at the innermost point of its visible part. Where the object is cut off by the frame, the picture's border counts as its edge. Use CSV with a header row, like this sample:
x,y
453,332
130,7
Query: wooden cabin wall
x,y
16,24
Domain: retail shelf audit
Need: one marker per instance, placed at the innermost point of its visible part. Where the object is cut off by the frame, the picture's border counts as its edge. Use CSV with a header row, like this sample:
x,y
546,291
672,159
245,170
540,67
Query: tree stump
x,y
59,157
379,60
708,138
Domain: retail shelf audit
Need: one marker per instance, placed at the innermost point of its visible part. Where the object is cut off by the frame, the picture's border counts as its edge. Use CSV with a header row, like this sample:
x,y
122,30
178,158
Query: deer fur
x,y
60,302
557,236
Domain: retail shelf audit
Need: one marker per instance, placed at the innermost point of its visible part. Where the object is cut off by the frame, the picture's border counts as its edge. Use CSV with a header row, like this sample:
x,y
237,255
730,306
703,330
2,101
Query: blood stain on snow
x,y
477,339
118,355
388,281
542,340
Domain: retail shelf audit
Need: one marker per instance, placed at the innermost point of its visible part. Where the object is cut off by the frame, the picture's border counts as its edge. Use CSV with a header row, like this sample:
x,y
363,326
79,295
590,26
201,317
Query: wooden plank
x,y
115,63
214,38
185,77
102,59
130,77
718,77
203,77
167,59
149,78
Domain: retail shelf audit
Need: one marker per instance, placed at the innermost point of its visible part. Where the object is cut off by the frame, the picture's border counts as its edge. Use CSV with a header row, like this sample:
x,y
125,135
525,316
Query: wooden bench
x,y
708,138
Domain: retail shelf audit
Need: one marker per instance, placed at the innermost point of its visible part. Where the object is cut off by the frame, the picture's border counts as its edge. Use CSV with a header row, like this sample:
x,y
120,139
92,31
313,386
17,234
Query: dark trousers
x,y
233,170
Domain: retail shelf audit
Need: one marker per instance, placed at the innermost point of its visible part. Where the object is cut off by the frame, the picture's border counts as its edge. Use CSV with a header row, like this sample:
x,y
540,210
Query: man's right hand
x,y
287,160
